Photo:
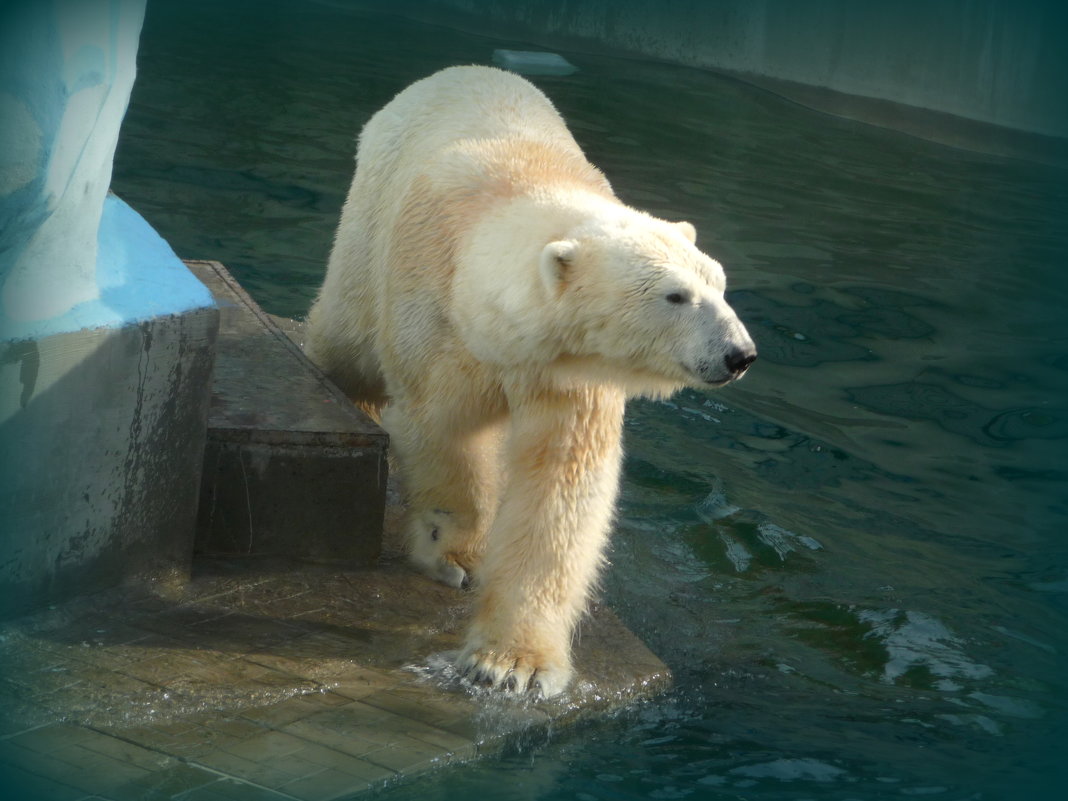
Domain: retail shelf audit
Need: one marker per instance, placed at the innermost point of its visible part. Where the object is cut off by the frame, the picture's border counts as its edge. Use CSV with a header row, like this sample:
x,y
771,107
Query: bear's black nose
x,y
738,361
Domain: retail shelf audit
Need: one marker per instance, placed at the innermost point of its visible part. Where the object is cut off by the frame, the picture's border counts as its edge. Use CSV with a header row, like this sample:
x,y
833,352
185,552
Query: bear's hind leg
x,y
450,471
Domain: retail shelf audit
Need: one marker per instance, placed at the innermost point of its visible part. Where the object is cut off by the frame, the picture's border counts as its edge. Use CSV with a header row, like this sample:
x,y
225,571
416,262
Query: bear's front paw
x,y
516,670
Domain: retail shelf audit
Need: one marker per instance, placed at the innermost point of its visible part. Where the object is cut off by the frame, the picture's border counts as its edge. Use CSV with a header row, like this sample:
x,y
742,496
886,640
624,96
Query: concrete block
x,y
101,447
292,469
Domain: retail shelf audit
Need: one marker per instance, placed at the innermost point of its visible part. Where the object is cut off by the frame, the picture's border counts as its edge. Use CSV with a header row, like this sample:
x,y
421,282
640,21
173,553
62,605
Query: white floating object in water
x,y
526,62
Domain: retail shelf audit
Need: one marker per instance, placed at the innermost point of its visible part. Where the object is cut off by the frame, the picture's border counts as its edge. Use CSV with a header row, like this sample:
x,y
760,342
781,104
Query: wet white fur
x,y
489,295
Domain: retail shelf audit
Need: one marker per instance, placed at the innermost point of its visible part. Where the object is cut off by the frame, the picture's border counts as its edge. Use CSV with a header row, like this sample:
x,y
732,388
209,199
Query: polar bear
x,y
490,296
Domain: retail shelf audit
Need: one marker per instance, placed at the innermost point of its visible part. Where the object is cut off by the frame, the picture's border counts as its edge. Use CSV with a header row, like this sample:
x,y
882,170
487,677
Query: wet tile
x,y
460,716
282,714
358,683
164,784
102,635
87,759
223,762
270,758
23,655
177,621
217,665
408,755
325,698
51,738
239,633
90,771
237,728
101,693
19,715
165,666
182,740
324,757
316,654
126,752
289,601
150,645
327,785
43,682
12,755
445,740
421,703
231,790
22,784
233,672
267,746
344,731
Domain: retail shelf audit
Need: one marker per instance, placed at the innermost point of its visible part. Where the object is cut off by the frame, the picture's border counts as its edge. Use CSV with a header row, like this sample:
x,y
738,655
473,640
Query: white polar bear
x,y
494,299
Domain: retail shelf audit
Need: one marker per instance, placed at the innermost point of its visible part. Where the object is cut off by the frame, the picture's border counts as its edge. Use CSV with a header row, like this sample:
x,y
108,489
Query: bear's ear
x,y
687,230
556,258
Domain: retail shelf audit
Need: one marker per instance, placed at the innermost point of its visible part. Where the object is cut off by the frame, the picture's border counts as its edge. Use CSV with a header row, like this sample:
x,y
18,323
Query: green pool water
x,y
855,560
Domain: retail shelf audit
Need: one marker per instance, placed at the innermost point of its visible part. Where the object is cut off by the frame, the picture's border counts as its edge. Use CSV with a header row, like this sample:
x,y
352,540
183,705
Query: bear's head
x,y
637,303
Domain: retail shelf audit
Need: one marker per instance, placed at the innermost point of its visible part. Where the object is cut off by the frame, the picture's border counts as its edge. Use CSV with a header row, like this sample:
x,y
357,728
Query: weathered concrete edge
x,y
270,323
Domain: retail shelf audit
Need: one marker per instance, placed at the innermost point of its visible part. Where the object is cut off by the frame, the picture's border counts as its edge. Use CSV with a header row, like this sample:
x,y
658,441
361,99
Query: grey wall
x,y
102,437
1003,62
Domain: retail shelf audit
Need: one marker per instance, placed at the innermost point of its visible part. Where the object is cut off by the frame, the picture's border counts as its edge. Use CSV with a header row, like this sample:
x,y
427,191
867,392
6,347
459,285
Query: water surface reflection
x,y
854,560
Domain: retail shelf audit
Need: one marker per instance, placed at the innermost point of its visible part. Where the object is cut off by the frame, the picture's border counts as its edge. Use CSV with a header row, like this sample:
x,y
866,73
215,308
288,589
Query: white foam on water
x,y
785,541
706,417
916,639
1013,707
713,780
788,770
715,505
1024,638
980,721
737,553
1050,586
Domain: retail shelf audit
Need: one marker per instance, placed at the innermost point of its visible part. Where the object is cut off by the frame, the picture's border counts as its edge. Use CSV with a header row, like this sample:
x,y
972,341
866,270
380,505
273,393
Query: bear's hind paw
x,y
429,535
523,675
447,572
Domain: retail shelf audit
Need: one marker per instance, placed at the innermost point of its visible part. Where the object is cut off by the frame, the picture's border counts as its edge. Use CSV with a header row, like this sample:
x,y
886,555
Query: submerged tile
x,y
215,702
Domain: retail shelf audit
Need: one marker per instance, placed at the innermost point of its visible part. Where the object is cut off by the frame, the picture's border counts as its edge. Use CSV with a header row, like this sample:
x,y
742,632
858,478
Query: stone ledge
x,y
291,467
272,683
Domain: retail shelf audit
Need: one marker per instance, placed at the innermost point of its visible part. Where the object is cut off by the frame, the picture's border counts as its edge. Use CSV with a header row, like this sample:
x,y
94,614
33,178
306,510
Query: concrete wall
x,y
102,435
1003,62
106,339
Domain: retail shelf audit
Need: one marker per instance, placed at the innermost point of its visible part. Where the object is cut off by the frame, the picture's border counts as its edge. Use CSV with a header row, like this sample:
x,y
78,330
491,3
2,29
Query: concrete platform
x,y
296,670
271,682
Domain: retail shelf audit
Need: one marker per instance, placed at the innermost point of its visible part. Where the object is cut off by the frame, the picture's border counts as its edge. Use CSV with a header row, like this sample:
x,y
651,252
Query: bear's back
x,y
458,104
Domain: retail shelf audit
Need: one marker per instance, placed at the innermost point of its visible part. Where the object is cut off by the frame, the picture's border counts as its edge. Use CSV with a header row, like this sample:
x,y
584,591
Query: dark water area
x,y
855,560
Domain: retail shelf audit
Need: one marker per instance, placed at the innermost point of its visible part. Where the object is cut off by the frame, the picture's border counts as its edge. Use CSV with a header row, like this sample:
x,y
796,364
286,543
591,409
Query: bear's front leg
x,y
547,541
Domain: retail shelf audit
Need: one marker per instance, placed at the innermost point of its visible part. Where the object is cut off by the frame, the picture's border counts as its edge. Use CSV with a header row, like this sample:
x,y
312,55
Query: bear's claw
x,y
514,674
448,572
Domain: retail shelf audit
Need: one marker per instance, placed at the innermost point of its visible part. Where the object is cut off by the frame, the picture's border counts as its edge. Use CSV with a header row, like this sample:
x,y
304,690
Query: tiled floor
x,y
262,683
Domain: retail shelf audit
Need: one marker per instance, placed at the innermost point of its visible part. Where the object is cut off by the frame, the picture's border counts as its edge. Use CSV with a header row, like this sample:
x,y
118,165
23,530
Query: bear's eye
x,y
677,298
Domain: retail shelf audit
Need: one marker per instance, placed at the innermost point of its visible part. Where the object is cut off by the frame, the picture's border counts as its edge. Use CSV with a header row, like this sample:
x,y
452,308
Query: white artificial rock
x,y
70,118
